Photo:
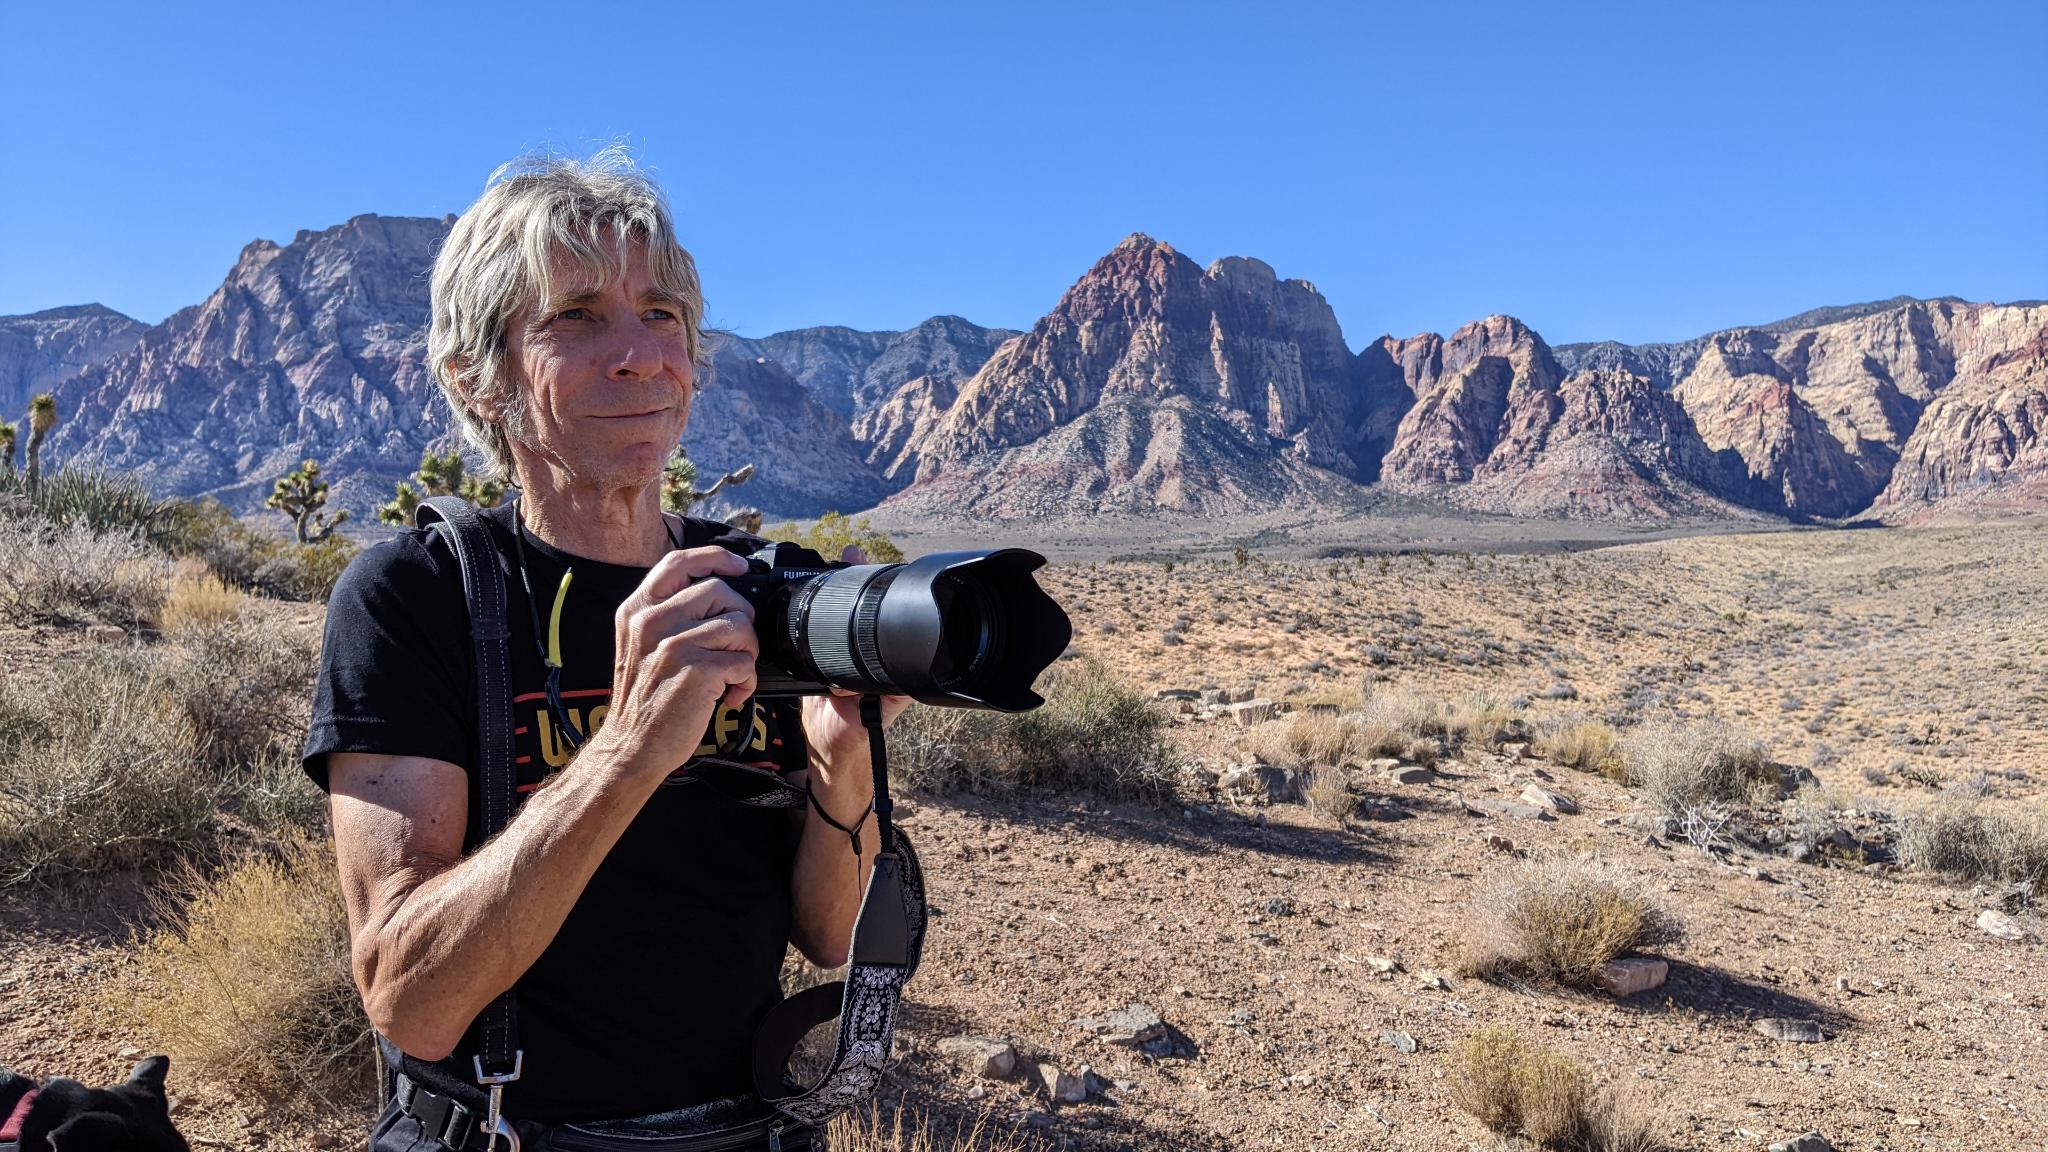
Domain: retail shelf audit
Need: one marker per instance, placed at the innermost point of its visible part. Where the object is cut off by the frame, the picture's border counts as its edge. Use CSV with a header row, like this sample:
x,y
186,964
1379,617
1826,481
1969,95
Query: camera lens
x,y
965,629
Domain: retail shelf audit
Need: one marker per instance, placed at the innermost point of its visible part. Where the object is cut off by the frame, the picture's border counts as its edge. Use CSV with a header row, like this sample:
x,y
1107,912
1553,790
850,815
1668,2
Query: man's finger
x,y
679,569
854,554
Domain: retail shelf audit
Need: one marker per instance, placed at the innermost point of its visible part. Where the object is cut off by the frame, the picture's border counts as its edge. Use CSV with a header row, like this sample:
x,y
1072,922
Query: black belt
x,y
455,1124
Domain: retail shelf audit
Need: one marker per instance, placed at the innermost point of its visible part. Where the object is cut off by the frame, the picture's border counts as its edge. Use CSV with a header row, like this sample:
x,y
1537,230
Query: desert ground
x,y
1306,966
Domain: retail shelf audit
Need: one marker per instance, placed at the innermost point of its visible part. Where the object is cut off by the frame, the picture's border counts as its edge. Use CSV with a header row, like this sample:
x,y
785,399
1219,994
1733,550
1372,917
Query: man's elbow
x,y
398,1017
821,954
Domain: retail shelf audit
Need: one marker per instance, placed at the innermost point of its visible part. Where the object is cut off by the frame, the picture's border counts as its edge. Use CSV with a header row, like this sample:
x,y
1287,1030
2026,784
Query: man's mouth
x,y
634,415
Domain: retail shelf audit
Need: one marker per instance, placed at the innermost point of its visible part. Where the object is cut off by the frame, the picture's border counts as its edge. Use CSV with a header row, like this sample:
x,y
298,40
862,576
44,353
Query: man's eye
x,y
660,314
573,314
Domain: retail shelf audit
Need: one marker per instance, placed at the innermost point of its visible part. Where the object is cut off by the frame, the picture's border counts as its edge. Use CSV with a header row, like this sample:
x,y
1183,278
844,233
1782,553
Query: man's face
x,y
608,380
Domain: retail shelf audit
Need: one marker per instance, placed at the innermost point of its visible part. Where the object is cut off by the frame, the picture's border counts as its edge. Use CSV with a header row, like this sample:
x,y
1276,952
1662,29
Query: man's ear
x,y
458,374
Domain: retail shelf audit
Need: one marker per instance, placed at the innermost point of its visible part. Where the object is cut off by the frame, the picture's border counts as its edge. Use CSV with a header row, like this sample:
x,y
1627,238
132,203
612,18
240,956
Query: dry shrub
x,y
1686,767
1308,738
134,756
1405,712
901,1129
1971,838
1513,1085
74,575
1481,721
1093,734
197,599
259,559
250,981
1328,791
99,769
1587,745
1560,918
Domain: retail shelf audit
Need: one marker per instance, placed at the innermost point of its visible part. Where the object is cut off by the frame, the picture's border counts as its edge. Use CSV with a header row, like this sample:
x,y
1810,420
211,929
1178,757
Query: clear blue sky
x,y
1639,170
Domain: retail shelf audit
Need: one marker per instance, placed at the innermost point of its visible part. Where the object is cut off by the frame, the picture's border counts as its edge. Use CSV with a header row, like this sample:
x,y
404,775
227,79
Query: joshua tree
x,y
679,489
301,495
439,476
42,416
6,449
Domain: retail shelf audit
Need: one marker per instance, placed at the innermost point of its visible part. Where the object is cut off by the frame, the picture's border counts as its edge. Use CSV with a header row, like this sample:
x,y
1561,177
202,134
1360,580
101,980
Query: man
x,y
641,914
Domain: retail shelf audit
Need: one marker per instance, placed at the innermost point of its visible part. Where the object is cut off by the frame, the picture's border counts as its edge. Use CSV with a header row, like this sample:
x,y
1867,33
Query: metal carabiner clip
x,y
504,1129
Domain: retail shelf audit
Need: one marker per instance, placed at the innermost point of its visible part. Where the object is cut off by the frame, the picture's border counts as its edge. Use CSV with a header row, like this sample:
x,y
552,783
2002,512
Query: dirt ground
x,y
1889,661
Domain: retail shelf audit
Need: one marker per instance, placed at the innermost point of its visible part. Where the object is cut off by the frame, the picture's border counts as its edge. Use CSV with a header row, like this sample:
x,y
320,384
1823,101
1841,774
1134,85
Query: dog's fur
x,y
67,1116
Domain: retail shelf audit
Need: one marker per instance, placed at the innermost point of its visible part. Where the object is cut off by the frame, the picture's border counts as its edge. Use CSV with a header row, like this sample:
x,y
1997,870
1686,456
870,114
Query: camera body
x,y
958,629
774,574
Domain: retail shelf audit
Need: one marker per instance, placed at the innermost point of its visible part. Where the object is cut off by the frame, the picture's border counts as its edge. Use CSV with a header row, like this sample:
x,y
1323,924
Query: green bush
x,y
1094,734
254,559
831,534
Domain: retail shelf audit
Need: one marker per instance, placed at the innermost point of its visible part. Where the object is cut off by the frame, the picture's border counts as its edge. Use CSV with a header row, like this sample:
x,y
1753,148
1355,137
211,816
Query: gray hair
x,y
501,257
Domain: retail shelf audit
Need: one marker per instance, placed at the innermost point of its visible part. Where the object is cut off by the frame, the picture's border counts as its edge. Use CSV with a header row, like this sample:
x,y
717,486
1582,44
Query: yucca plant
x,y
104,502
42,416
7,434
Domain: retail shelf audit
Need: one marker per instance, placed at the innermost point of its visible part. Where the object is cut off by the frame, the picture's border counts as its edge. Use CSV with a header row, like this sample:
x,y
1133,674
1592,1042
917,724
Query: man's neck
x,y
617,526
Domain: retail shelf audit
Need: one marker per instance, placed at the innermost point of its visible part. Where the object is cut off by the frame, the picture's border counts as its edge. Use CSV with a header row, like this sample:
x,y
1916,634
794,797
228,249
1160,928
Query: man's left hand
x,y
832,723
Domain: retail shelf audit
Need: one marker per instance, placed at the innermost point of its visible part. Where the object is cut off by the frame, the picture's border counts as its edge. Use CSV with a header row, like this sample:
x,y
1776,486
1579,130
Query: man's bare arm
x,y
436,936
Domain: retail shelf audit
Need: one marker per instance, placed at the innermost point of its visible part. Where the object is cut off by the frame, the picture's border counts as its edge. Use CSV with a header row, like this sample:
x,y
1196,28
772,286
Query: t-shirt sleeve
x,y
394,661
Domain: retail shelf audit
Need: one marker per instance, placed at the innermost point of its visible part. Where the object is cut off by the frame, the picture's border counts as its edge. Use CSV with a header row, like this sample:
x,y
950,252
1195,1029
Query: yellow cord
x,y
555,620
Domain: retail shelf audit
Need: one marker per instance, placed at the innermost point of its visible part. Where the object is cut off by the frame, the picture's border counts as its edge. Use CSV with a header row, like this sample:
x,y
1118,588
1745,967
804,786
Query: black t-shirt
x,y
648,996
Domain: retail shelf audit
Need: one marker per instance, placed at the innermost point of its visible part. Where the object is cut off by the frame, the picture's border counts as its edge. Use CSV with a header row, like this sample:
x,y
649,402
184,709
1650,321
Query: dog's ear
x,y
91,1132
149,1074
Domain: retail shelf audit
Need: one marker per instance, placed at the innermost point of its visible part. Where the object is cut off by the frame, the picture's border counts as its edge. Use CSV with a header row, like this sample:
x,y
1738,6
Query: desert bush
x,y
257,559
1481,721
74,575
1560,918
99,770
197,599
876,1128
1514,1085
831,533
135,756
1315,738
1328,791
1685,767
1971,838
105,503
1093,734
1587,745
1403,711
250,980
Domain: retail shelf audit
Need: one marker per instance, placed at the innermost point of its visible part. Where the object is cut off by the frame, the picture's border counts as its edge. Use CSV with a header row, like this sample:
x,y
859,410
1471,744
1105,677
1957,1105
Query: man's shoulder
x,y
411,563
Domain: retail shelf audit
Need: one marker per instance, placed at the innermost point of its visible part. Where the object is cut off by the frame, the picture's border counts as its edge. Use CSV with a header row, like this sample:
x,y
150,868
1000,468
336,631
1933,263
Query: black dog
x,y
66,1116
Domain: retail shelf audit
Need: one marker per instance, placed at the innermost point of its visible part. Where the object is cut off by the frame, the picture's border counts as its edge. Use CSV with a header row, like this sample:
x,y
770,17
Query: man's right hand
x,y
685,645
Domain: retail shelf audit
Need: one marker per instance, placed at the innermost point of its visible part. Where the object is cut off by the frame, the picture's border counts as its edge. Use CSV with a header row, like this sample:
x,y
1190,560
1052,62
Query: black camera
x,y
962,629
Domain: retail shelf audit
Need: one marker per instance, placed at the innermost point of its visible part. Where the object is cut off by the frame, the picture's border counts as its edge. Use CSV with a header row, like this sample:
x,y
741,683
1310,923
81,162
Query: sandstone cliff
x,y
310,349
752,411
1161,384
1982,444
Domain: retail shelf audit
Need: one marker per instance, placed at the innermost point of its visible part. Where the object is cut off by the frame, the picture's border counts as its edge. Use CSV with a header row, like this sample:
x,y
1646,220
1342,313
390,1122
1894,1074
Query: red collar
x,y
15,1119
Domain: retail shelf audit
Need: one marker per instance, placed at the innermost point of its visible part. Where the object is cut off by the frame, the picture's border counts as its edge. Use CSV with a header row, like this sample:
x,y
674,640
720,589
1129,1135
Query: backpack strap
x,y
499,1058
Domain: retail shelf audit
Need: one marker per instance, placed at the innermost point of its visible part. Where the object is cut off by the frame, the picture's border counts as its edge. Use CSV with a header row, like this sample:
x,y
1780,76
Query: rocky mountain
x,y
317,349
42,350
806,460
1154,383
854,372
1982,442
311,349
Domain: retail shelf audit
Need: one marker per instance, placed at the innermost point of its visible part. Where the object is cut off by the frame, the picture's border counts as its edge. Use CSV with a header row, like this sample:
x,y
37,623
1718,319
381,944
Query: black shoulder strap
x,y
483,584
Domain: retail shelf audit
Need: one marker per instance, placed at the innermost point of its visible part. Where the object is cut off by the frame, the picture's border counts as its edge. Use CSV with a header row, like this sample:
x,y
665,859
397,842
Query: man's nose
x,y
636,353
